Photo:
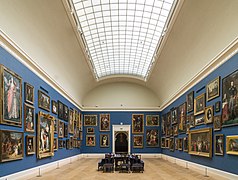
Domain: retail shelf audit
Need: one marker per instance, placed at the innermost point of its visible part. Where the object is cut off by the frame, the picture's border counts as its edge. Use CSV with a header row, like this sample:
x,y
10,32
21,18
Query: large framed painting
x,y
217,123
29,93
190,101
137,123
104,140
54,107
60,129
209,114
138,141
163,124
230,100
60,110
45,135
11,143
43,100
199,102
200,142
104,122
219,144
29,118
152,138
232,145
152,120
66,113
213,89
90,120
174,115
11,95
182,118
71,121
30,145
90,140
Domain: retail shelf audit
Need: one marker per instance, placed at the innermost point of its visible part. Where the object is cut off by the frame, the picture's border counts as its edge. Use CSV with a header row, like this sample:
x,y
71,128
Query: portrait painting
x,y
90,140
45,135
182,118
60,144
209,114
66,130
217,123
60,110
30,145
66,113
104,122
11,143
163,124
71,121
175,130
152,120
163,142
232,145
54,106
174,115
104,140
29,118
138,141
190,101
200,142
137,123
56,126
171,144
230,100
199,104
213,89
185,144
199,120
152,138
180,144
90,130
55,144
219,144
76,130
11,93
218,106
43,100
60,129
90,120
191,120
29,93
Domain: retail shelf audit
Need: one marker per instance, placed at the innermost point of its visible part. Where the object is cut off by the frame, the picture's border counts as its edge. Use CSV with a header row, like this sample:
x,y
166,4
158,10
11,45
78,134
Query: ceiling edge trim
x,y
9,45
120,109
217,61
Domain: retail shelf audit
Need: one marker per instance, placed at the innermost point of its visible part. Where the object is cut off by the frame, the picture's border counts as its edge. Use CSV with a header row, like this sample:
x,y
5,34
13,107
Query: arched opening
x,y
121,143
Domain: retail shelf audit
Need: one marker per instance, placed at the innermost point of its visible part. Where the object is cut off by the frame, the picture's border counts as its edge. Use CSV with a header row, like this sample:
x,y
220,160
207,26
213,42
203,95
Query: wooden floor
x,y
86,169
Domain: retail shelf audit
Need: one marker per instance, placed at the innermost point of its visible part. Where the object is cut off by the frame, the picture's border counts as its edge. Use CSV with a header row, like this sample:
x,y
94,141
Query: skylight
x,y
121,36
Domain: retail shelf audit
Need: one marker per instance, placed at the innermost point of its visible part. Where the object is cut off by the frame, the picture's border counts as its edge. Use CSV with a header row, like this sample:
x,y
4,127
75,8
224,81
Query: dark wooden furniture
x,y
108,167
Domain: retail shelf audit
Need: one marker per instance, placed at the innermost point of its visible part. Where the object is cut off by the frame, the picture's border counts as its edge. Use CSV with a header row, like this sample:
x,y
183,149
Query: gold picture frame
x,y
219,144
209,115
213,89
43,100
199,104
29,118
30,145
90,140
152,120
137,123
104,122
232,145
90,120
104,140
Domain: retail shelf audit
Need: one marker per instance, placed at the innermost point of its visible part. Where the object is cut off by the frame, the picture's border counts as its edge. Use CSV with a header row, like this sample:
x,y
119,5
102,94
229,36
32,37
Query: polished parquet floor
x,y
86,169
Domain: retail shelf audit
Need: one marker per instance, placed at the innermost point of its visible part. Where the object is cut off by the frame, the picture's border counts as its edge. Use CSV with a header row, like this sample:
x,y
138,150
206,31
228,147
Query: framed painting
x,y
199,104
174,115
104,140
45,135
104,122
191,120
199,120
152,138
43,100
60,110
90,140
200,142
218,106
60,144
66,130
180,144
152,120
182,118
190,101
167,143
137,123
163,124
90,130
209,114
171,144
66,113
217,123
138,141
213,89
163,142
60,129
229,100
232,145
11,143
185,144
29,120
54,107
30,145
176,144
175,130
55,144
187,128
56,126
11,96
29,93
71,121
219,144
90,120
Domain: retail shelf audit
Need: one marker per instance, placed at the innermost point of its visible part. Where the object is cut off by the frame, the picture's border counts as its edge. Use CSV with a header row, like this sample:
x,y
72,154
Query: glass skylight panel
x,y
122,35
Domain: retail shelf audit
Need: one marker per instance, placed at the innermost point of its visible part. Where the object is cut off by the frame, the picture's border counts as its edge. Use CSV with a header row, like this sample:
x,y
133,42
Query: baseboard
x,y
101,155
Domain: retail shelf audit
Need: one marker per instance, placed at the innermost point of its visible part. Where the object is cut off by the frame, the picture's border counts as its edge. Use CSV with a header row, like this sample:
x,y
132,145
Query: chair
x,y
100,164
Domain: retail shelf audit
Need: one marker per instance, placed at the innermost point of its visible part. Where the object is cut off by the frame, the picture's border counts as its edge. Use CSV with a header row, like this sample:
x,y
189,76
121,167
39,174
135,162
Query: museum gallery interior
x,y
126,85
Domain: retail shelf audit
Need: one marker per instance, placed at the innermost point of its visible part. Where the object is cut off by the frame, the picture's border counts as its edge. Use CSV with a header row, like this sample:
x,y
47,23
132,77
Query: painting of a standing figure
x,y
137,123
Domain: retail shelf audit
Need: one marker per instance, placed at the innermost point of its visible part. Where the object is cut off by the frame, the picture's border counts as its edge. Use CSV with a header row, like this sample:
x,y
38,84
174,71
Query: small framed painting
x,y
217,123
218,106
90,120
209,115
43,100
29,93
171,144
55,144
190,101
66,113
180,144
54,107
90,140
30,145
66,130
199,104
185,144
174,115
152,120
60,110
163,142
90,130
199,120
60,129
213,89
191,120
29,120
232,145
56,126
104,140
219,144
138,141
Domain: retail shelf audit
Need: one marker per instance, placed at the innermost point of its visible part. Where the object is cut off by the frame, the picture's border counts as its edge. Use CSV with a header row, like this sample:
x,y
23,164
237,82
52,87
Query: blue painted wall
x,y
28,76
116,119
227,163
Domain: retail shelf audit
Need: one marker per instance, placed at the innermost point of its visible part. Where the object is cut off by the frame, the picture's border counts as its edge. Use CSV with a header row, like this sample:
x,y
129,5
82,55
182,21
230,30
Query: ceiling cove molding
x,y
22,56
217,61
122,109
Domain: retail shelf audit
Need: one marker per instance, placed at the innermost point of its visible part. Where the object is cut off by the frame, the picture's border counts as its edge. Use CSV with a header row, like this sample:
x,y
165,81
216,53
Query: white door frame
x,y
126,128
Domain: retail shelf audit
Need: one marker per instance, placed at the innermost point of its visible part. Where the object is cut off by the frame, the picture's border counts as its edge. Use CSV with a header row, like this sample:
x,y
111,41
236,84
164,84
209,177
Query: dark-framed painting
x,y
168,121
163,142
191,120
199,103
60,129
199,120
152,138
152,120
137,123
217,123
60,110
54,107
30,145
163,124
200,142
218,106
60,144
104,122
66,130
213,89
167,143
90,120
43,100
171,144
29,93
56,126
45,135
185,144
219,144
71,121
209,114
232,144
175,130
90,140
55,144
11,143
138,141
229,100
182,118
174,115
11,93
190,101
104,140
29,118
66,113
180,144
90,130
